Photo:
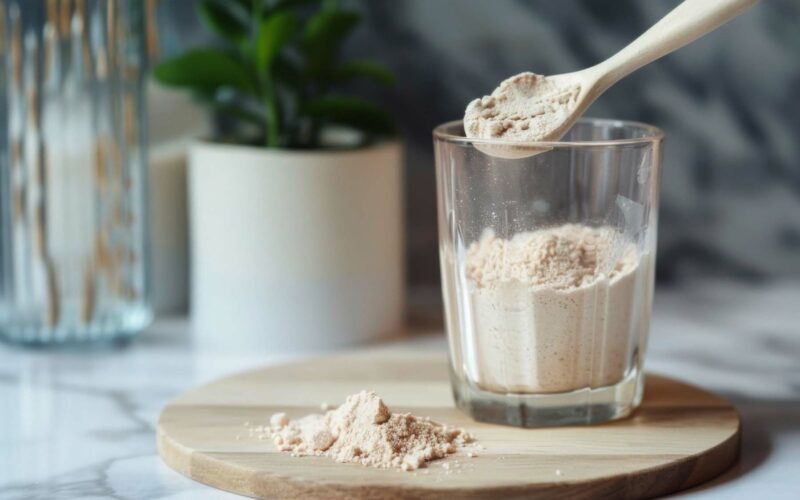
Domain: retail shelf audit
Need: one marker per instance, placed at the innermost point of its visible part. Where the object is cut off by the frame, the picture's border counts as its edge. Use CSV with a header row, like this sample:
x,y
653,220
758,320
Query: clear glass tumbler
x,y
547,255
73,183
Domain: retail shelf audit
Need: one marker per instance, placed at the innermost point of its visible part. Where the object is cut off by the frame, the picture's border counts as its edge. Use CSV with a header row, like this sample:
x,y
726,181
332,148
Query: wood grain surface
x,y
680,437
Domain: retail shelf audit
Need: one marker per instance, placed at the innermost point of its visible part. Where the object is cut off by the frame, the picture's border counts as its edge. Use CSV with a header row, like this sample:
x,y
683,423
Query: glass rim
x,y
653,134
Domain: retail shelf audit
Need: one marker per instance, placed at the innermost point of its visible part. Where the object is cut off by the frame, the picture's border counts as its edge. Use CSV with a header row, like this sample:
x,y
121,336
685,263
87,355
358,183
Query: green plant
x,y
275,72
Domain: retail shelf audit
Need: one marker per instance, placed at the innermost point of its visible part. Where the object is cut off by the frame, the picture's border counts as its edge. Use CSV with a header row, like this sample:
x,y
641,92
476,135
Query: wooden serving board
x,y
680,437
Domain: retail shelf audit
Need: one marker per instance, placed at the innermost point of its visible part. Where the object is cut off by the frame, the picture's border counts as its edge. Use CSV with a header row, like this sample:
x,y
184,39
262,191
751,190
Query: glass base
x,y
110,329
580,407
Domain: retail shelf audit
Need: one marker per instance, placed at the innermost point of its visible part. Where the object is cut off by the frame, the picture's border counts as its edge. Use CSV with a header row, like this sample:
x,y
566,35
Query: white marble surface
x,y
79,424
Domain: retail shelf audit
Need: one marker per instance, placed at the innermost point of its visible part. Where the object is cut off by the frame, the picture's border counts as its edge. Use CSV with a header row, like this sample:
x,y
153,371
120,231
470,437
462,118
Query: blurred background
x,y
730,205
114,211
731,181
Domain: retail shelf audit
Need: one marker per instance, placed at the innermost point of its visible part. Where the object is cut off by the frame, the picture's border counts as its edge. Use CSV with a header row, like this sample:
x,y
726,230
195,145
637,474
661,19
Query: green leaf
x,y
330,4
351,111
222,21
367,69
203,96
323,38
246,6
330,27
273,34
231,106
286,72
287,4
205,71
239,112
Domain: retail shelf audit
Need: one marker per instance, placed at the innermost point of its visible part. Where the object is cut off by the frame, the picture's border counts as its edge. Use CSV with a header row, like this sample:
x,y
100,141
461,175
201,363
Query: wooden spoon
x,y
685,23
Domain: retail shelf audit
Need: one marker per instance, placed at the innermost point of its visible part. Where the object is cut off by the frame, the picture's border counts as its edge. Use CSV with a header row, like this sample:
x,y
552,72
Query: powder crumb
x,y
279,420
471,455
558,472
364,431
317,435
324,407
259,432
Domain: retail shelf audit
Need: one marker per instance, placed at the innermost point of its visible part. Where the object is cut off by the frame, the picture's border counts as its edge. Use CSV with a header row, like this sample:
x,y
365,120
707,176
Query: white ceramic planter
x,y
295,250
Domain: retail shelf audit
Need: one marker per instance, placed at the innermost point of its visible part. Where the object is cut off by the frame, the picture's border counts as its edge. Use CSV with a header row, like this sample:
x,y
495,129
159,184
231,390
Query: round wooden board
x,y
680,437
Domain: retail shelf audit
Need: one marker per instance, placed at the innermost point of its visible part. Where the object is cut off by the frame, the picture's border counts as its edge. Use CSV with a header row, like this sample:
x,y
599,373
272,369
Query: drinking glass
x,y
73,182
526,351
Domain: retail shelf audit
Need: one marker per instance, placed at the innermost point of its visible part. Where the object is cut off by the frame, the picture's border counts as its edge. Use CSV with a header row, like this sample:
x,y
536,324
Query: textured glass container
x,y
547,253
73,186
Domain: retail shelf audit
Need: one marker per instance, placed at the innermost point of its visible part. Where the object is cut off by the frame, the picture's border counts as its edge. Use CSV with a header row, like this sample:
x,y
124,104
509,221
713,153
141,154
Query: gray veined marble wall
x,y
728,103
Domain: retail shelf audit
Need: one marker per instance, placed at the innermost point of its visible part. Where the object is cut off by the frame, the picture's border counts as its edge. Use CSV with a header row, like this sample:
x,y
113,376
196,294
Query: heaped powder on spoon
x,y
364,431
526,107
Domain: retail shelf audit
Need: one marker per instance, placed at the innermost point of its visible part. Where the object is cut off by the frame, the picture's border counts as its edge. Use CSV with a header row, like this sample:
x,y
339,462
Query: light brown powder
x,y
560,258
364,431
525,107
555,310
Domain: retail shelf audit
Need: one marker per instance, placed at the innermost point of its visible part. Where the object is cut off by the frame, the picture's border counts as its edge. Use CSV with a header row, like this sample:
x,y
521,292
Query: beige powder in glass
x,y
554,310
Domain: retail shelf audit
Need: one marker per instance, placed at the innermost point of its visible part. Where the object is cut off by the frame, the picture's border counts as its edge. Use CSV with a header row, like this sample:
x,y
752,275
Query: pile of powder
x,y
562,257
364,431
526,107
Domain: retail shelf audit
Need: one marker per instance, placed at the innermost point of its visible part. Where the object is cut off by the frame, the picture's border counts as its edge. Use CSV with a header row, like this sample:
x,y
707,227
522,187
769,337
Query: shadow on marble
x,y
762,424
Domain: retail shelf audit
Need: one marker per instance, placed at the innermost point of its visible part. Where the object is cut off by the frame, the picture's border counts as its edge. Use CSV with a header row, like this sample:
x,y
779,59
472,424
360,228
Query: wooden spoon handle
x,y
684,24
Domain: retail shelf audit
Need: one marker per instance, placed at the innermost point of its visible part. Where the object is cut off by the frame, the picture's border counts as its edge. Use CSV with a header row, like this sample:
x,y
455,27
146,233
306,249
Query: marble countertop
x,y
79,423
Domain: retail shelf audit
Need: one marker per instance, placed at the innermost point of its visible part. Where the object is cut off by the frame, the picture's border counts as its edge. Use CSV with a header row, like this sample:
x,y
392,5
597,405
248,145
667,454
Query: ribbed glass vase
x,y
73,186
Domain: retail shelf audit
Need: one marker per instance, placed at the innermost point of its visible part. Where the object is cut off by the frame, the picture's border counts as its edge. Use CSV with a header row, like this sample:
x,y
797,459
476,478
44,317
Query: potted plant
x,y
295,208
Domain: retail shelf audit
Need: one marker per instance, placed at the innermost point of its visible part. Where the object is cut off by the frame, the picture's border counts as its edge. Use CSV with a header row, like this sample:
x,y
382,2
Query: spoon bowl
x,y
535,108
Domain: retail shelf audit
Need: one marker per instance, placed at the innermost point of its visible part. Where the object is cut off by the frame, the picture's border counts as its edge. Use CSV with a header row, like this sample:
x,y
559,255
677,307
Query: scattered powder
x,y
526,107
555,310
364,431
